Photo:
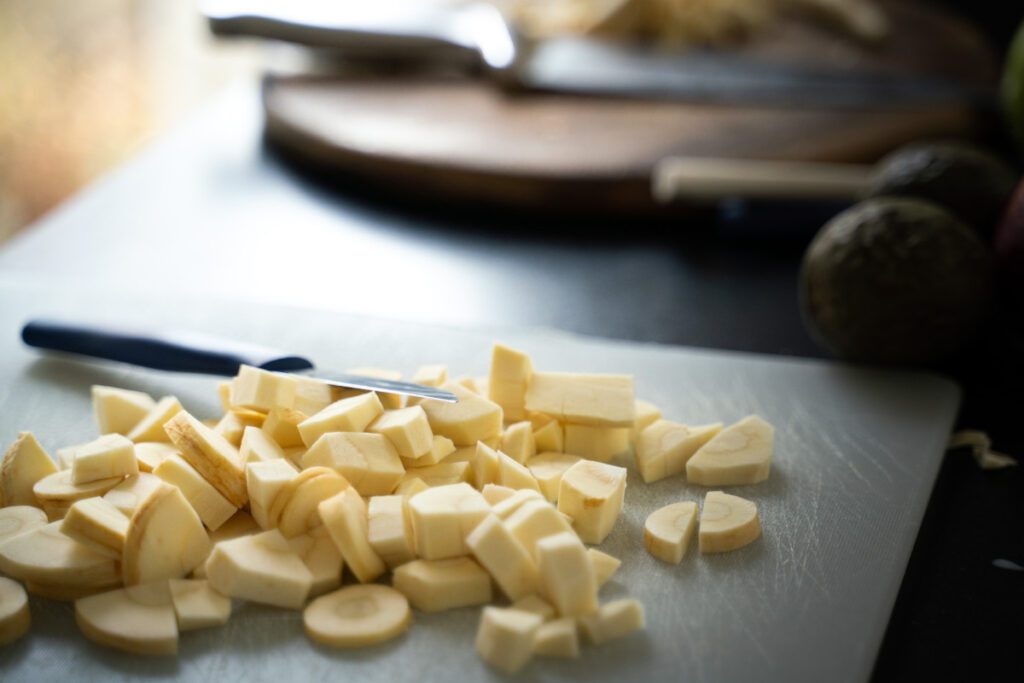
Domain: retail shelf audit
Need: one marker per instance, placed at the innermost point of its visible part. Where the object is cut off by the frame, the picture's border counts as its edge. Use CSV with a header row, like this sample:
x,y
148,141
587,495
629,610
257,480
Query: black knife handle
x,y
176,352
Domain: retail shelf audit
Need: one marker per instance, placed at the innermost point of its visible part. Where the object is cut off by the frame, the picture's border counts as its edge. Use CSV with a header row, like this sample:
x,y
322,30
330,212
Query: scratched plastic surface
x,y
856,455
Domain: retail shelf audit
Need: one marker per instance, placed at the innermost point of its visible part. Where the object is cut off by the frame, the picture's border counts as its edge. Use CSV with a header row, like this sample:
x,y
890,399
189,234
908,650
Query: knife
x,y
475,37
191,352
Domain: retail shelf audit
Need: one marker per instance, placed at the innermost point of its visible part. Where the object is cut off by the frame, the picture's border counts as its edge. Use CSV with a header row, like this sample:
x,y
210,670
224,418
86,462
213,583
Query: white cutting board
x,y
856,455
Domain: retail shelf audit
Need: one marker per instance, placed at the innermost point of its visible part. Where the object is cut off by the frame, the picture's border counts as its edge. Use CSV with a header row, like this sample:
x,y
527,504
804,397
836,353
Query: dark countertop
x,y
174,219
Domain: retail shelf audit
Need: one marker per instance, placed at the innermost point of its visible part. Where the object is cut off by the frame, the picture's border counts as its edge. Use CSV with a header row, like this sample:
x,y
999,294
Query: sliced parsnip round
x,y
357,616
139,619
284,496
299,513
58,489
739,454
14,614
667,531
19,519
165,539
727,522
45,555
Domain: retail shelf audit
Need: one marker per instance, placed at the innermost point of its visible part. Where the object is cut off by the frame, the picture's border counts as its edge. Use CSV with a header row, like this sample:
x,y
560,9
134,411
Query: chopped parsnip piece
x,y
138,619
566,574
505,638
301,498
549,438
605,565
151,453
517,441
596,443
511,371
389,529
213,508
15,617
494,493
505,508
45,555
311,395
486,464
548,468
598,400
727,523
739,454
369,462
24,464
165,539
504,557
111,455
646,414
613,620
667,531
472,419
264,480
440,448
558,638
258,446
261,568
212,456
535,520
117,411
357,616
19,519
197,605
436,585
442,474
431,375
345,517
129,494
282,426
58,490
408,431
151,427
443,516
515,475
321,557
592,494
536,605
347,415
95,522
262,390
664,447
410,486
233,424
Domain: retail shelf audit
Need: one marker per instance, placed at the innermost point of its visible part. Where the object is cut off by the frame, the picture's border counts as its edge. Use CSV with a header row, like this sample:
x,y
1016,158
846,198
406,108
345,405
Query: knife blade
x,y
179,351
477,39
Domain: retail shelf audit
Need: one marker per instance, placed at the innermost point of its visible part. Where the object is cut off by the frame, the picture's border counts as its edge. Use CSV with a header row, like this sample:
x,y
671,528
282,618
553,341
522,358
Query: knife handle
x,y
176,352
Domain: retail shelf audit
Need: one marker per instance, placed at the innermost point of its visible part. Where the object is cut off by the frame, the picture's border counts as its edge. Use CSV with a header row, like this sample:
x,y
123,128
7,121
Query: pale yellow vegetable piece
x,y
19,519
240,524
58,490
443,473
664,447
548,468
150,454
213,508
515,475
536,604
517,441
224,394
604,564
463,454
437,585
117,411
345,517
549,438
285,493
151,427
165,539
504,508
257,446
389,529
727,522
352,414
440,448
511,371
261,568
212,456
534,520
408,431
443,516
592,494
612,620
137,619
598,400
567,577
95,522
410,485
473,418
66,456
505,637
357,616
431,375
557,638
15,617
494,493
282,425
368,461
646,414
111,455
300,513
262,390
739,454
197,605
321,557
596,443
311,396
501,554
486,464
233,424
24,464
294,455
45,555
130,493
668,530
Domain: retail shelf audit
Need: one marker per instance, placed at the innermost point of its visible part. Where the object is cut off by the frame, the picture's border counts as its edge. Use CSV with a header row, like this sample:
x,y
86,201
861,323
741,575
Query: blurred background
x,y
85,84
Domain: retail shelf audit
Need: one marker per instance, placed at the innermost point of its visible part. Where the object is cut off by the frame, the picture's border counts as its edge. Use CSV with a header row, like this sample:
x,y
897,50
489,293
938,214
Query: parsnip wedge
x,y
264,481
505,637
389,529
613,620
668,530
261,390
117,411
472,419
437,585
566,575
598,400
139,619
151,427
345,517
663,448
165,539
299,513
24,464
197,605
517,441
151,453
548,468
347,415
739,454
257,446
727,522
501,554
443,516
369,462
510,374
494,494
211,454
96,523
604,564
45,555
533,520
592,494
19,519
357,616
15,617
213,508
261,568
129,494
408,431
549,437
537,605
321,557
558,638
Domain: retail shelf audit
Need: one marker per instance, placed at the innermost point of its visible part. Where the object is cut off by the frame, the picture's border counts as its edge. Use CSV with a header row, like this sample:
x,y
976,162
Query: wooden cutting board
x,y
460,139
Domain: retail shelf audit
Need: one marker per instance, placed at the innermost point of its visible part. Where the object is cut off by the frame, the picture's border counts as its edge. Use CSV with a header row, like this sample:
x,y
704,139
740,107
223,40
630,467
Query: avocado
x,y
968,181
895,280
